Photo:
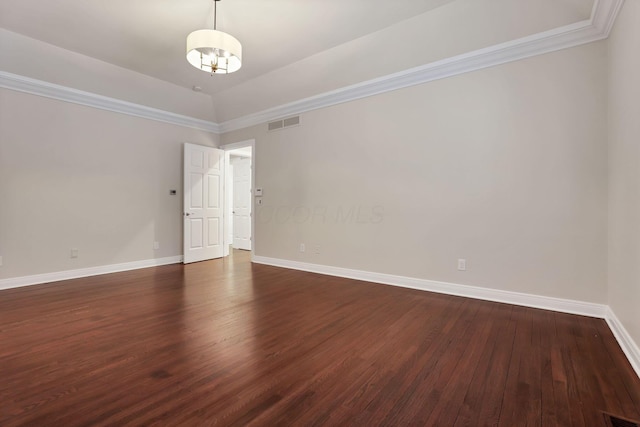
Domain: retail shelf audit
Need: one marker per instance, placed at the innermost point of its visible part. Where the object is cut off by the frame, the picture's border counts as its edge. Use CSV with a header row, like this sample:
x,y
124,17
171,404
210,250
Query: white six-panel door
x,y
203,203
241,203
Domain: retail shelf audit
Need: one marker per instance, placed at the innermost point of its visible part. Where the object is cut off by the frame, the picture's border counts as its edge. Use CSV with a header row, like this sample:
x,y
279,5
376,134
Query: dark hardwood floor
x,y
226,343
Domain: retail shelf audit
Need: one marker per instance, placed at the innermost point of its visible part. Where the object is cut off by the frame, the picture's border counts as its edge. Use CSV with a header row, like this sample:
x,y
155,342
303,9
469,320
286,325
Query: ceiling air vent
x,y
291,121
281,124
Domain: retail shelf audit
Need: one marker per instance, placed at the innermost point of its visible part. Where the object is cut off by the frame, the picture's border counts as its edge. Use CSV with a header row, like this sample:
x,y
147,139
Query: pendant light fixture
x,y
214,51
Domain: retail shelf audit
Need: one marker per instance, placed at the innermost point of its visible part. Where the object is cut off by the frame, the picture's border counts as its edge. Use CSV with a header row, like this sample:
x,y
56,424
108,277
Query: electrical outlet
x,y
462,264
316,249
302,247
156,246
74,253
0,261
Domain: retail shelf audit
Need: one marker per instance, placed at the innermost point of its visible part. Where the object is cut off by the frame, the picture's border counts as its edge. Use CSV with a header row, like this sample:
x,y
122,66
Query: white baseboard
x,y
16,282
628,345
487,294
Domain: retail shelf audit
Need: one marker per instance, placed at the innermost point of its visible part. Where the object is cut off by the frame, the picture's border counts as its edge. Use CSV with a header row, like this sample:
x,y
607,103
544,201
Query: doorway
x,y
239,185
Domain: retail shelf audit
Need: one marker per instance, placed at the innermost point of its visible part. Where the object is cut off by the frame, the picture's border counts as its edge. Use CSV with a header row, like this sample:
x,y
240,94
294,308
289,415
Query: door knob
x,y
187,214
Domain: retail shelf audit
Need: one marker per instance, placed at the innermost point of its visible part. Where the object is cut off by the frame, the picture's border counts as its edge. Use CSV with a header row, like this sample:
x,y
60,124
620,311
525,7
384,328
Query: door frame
x,y
227,160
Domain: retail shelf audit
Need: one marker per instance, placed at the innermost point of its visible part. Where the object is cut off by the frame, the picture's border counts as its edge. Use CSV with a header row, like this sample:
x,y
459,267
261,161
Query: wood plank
x,y
228,343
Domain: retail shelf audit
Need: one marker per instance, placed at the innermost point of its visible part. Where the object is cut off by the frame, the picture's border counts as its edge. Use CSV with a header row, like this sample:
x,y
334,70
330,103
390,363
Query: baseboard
x,y
16,282
628,345
516,298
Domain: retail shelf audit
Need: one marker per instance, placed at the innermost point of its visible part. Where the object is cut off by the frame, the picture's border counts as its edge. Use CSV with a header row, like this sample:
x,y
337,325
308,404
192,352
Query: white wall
x,y
624,169
505,167
76,177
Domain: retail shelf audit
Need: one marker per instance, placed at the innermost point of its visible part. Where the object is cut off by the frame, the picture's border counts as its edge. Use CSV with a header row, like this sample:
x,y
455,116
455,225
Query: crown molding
x,y
67,94
596,28
604,14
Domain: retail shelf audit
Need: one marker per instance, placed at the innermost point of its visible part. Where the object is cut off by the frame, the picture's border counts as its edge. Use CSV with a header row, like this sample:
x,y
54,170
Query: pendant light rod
x,y
215,14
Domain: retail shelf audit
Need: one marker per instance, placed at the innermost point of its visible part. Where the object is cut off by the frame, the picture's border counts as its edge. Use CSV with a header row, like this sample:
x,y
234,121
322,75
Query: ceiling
x,y
149,36
285,42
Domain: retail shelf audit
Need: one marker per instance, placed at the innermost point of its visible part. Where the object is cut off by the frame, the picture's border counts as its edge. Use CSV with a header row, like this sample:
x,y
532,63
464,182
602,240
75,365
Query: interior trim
x,y
487,294
67,94
17,282
629,347
598,27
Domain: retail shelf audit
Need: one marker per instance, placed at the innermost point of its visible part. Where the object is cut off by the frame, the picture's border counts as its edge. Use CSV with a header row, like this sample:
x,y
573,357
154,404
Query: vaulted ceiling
x,y
292,49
